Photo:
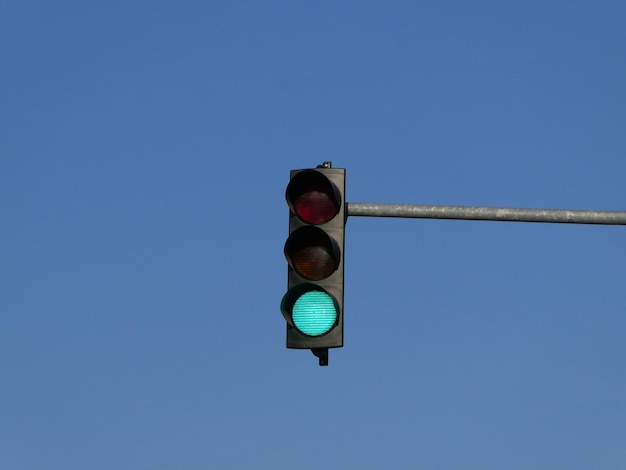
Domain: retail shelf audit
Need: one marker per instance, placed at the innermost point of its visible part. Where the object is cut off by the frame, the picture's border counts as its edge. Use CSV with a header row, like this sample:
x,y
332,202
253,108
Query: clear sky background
x,y
145,148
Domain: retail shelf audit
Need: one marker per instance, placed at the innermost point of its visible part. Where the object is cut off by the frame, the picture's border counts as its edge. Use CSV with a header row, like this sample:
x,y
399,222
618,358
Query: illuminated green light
x,y
314,313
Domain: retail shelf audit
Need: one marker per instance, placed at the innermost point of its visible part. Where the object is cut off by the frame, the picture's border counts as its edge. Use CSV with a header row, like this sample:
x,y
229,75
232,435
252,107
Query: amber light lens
x,y
315,207
314,263
312,253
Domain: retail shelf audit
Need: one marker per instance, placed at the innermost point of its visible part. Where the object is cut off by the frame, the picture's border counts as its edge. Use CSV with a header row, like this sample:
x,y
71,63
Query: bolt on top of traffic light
x,y
313,304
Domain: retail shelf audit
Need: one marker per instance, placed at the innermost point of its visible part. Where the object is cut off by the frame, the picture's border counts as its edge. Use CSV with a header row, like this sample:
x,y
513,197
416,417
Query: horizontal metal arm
x,y
508,214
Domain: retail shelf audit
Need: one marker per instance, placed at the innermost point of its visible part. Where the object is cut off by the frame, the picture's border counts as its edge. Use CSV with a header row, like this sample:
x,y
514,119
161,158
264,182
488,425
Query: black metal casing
x,y
333,284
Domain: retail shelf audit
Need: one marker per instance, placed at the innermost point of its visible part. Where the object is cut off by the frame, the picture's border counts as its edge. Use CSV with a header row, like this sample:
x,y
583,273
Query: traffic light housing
x,y
313,304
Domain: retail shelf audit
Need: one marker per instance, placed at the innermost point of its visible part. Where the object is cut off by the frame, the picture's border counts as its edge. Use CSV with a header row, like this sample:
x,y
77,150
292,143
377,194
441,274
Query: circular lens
x,y
314,263
315,207
312,253
314,313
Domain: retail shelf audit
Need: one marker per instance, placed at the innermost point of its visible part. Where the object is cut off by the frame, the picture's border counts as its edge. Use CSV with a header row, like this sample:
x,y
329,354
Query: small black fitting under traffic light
x,y
321,354
313,304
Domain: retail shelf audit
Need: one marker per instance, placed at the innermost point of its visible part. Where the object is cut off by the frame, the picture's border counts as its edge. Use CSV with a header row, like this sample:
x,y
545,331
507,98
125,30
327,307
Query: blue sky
x,y
145,148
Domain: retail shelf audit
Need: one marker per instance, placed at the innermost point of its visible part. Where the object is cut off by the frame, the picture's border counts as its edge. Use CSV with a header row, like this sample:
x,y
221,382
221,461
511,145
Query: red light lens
x,y
315,207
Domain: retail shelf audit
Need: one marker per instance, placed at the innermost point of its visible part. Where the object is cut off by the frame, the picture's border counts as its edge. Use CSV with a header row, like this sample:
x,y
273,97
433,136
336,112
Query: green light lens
x,y
314,313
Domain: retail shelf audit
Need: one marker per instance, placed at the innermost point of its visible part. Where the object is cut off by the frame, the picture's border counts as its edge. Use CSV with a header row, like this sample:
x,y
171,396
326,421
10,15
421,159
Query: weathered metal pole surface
x,y
508,214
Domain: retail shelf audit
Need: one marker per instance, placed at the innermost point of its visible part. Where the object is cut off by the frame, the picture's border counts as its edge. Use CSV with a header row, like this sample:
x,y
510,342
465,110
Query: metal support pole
x,y
508,214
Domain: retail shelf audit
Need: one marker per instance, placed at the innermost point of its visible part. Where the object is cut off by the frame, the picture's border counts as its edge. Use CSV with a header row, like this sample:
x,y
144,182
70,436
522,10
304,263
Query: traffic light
x,y
313,304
